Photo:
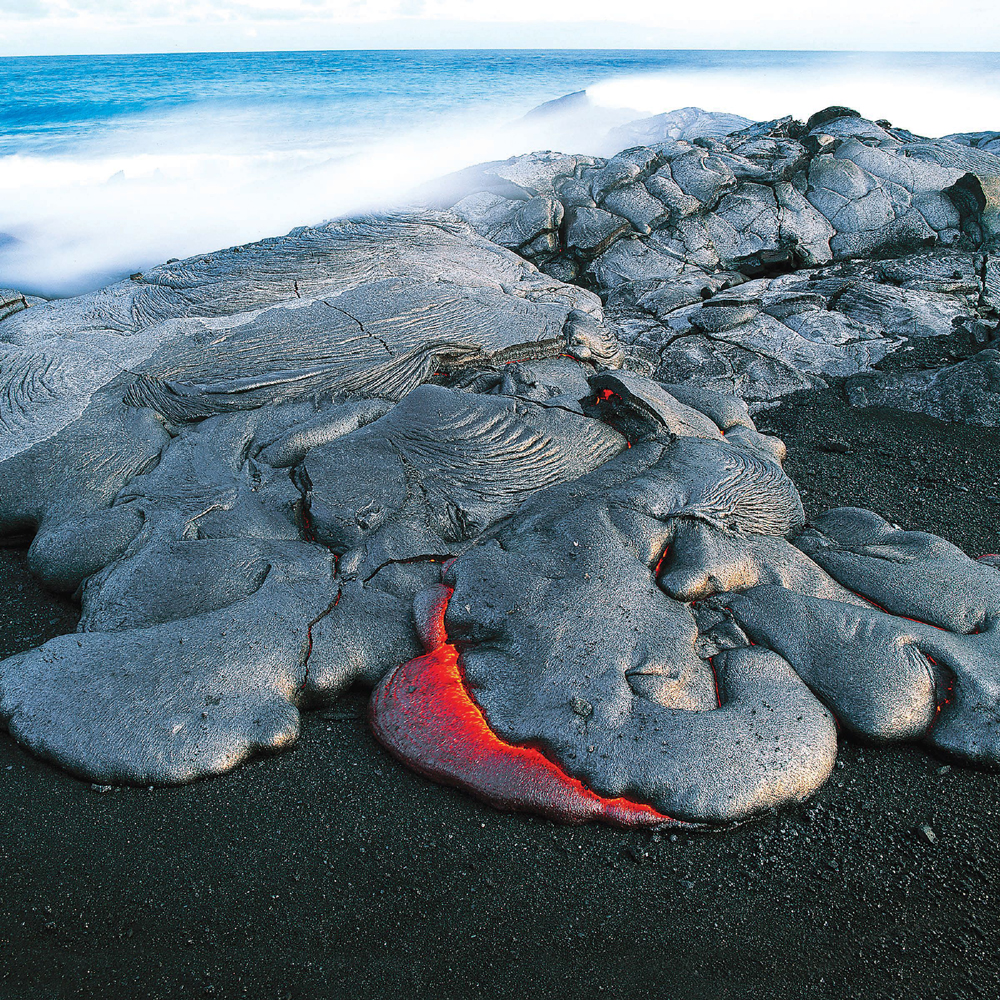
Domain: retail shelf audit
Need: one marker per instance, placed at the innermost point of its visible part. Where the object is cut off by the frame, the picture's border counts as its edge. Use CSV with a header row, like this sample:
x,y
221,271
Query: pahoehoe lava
x,y
495,458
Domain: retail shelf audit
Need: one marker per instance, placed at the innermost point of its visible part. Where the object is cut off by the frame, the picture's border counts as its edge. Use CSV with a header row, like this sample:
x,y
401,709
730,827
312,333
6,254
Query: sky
x,y
56,27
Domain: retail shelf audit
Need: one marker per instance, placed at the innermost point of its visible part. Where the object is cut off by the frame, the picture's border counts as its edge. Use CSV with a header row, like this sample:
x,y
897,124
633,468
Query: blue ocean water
x,y
111,163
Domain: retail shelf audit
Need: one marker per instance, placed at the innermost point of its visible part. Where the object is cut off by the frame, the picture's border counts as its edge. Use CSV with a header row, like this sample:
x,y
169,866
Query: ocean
x,y
111,163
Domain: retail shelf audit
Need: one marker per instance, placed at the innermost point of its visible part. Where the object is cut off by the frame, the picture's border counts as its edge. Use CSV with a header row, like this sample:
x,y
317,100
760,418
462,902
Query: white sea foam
x,y
79,221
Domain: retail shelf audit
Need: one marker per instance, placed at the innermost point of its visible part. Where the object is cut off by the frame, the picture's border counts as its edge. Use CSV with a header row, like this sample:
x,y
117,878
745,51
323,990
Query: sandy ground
x,y
331,871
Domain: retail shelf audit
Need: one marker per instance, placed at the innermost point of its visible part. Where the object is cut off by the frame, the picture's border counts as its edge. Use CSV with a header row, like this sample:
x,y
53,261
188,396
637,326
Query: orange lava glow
x,y
659,562
715,680
424,714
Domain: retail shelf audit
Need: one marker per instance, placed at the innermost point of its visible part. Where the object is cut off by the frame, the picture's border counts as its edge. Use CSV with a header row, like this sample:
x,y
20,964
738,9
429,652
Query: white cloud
x,y
123,25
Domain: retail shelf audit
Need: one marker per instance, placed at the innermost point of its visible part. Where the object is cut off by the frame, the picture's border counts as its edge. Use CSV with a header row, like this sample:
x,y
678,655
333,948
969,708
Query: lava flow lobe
x,y
423,713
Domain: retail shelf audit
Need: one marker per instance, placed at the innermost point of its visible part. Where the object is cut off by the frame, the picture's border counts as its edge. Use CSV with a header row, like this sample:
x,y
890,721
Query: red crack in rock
x,y
423,714
309,635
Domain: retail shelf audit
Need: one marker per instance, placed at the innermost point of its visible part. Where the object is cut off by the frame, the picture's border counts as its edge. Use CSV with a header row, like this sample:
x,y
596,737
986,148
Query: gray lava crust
x,y
762,259
248,466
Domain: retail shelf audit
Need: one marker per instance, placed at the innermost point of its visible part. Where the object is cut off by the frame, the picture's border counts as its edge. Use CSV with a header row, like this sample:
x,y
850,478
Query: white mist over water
x,y
921,102
152,190
79,221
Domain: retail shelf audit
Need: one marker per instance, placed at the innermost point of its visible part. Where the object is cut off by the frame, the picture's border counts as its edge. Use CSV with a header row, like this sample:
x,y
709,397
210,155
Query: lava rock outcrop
x,y
393,452
778,257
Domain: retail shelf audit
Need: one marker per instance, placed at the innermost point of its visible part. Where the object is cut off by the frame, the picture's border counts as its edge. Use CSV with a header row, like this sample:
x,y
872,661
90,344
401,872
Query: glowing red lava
x,y
659,562
423,713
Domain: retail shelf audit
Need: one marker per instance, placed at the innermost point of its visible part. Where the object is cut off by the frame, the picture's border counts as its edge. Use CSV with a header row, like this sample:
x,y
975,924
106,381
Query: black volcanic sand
x,y
331,871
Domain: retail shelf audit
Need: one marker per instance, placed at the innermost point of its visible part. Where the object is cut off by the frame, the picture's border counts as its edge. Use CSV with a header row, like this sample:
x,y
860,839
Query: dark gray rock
x,y
990,141
273,472
167,704
521,613
13,301
440,469
908,573
684,123
616,690
367,308
925,579
869,669
589,230
967,392
514,223
153,434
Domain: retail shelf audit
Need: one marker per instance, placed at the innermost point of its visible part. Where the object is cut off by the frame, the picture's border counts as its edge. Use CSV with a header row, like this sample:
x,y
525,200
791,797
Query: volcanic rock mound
x,y
392,452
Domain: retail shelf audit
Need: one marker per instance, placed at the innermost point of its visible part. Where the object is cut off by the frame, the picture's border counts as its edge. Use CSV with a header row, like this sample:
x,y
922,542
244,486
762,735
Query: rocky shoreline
x,y
330,871
777,257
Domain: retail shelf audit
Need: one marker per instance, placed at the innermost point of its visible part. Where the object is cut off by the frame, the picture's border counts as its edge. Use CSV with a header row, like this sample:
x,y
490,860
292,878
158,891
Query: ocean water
x,y
111,163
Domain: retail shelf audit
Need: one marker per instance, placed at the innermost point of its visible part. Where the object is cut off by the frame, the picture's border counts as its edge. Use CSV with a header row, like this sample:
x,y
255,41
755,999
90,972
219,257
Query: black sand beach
x,y
331,871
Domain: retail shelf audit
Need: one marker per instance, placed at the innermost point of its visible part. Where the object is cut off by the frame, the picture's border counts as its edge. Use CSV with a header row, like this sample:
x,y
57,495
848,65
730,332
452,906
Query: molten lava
x,y
423,713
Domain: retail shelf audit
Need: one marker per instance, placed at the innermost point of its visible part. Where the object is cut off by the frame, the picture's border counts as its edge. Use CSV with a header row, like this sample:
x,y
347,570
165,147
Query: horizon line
x,y
483,48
